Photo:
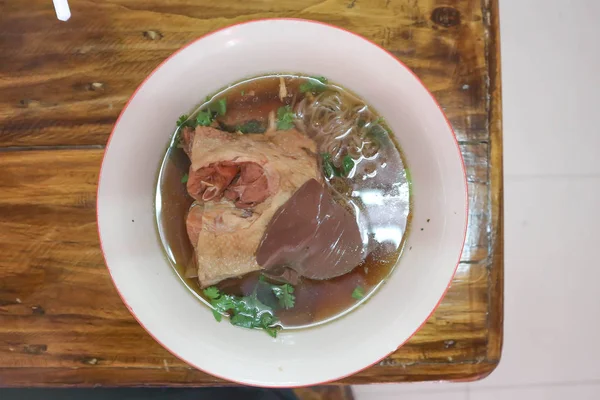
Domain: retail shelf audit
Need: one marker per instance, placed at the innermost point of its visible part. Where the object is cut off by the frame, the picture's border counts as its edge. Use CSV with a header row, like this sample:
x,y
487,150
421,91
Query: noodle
x,y
338,122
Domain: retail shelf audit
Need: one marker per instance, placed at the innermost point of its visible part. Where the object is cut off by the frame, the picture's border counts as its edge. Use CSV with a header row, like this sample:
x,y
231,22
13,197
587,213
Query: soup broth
x,y
374,186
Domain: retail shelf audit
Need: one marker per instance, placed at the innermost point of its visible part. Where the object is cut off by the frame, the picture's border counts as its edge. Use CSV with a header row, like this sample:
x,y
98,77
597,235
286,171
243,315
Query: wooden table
x,y
62,86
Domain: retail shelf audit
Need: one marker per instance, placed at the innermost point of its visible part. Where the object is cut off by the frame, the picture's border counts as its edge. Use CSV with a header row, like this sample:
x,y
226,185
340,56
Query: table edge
x,y
455,371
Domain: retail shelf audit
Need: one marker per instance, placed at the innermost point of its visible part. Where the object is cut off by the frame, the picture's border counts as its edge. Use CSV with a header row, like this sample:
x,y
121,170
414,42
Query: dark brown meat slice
x,y
312,235
282,275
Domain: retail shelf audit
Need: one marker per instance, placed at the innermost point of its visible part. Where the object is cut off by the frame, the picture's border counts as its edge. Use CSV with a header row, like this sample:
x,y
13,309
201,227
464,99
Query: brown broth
x,y
382,200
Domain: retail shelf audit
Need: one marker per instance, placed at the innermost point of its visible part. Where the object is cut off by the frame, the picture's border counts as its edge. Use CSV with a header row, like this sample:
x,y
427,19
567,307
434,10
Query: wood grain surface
x,y
62,86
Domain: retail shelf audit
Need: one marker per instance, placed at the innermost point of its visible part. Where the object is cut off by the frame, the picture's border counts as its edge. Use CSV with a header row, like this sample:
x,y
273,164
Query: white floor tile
x,y
574,392
550,81
411,391
552,275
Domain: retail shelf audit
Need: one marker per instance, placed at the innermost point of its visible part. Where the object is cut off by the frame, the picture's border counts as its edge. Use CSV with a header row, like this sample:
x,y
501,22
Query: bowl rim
x,y
327,25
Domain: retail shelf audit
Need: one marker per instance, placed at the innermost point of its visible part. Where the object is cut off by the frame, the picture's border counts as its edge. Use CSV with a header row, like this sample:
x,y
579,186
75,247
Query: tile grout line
x,y
427,390
551,176
592,382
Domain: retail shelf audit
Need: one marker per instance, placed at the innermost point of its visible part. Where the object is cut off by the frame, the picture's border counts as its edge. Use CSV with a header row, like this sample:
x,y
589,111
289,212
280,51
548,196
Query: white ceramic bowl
x,y
156,296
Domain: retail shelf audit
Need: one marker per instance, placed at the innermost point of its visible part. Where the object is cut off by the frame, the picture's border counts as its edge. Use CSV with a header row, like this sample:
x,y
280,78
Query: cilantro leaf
x,y
225,303
185,178
377,131
218,107
245,321
328,168
285,118
272,331
212,292
177,142
218,316
267,320
221,106
314,84
247,311
183,121
358,293
204,118
252,126
347,165
285,295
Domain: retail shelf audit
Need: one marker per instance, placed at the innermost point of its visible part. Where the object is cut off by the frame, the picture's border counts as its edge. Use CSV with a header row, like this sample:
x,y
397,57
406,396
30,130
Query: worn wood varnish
x,y
62,86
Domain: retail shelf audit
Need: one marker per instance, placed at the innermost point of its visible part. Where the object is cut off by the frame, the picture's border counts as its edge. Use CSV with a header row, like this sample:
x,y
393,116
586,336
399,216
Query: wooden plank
x,y
177,377
64,84
496,261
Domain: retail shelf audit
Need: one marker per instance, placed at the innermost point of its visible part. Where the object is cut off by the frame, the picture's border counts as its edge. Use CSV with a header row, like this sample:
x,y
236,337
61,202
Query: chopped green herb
x,y
285,118
183,122
314,84
204,118
243,320
185,178
328,168
247,311
182,119
252,126
177,142
266,322
211,292
358,293
285,294
347,165
377,131
218,316
272,331
242,92
222,106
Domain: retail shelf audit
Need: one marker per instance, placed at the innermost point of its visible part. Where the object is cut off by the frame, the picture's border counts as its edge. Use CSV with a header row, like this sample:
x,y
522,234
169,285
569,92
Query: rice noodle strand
x,y
337,121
